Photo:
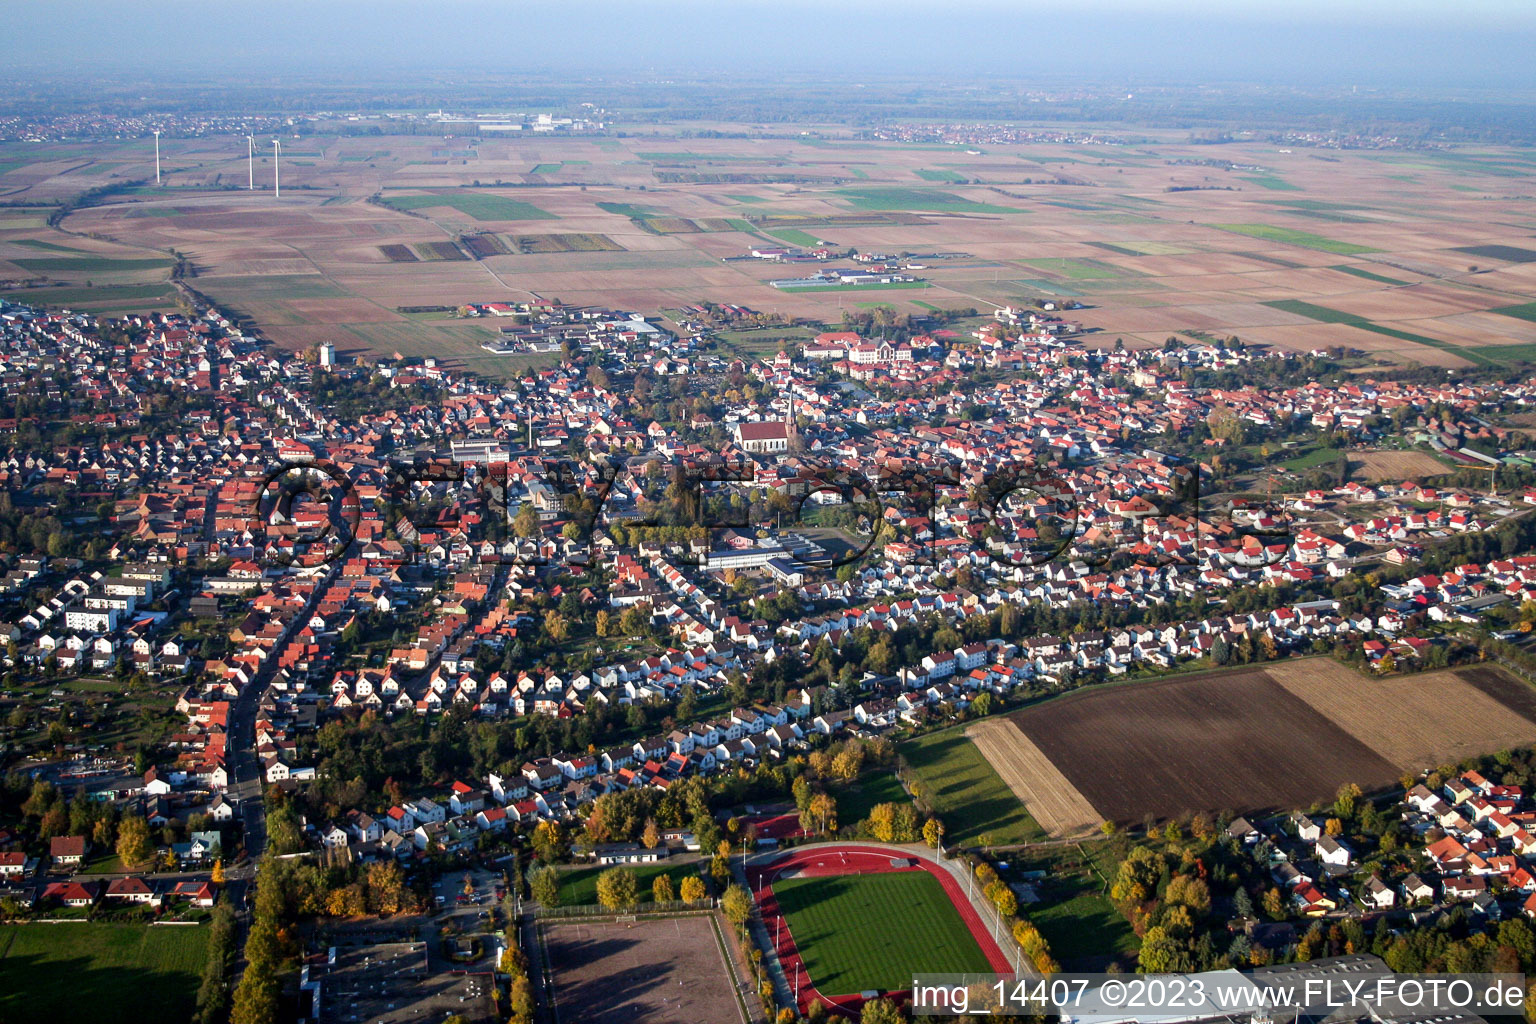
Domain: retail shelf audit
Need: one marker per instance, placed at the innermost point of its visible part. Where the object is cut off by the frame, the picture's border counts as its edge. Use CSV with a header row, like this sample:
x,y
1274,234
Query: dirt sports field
x,y
639,972
1248,740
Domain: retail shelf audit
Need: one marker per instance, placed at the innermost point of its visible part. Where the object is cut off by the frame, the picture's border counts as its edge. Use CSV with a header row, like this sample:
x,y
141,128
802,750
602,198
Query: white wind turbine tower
x,y
277,171
157,158
250,156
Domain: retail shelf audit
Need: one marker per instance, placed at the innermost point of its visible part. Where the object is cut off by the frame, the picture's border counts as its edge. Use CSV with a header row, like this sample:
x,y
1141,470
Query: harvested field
x,y
1394,465
1416,721
398,253
1047,795
639,972
481,246
1259,739
564,243
439,251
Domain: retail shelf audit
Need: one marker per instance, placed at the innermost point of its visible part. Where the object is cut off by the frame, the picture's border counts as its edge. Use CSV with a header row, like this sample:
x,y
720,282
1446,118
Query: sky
x,y
1478,44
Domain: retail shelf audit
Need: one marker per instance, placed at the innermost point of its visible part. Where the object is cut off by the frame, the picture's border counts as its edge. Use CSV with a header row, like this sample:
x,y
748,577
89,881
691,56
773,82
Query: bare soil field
x,y
1228,740
1252,739
1415,721
1045,792
1396,466
639,972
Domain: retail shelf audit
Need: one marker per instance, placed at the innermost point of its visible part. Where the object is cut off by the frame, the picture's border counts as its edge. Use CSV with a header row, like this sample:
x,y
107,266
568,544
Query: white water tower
x,y
327,354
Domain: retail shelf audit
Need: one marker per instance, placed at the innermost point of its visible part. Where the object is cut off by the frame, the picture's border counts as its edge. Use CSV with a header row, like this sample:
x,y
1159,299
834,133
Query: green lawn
x,y
1315,457
52,973
856,801
967,794
861,932
1290,236
1074,914
872,197
580,886
479,205
1367,275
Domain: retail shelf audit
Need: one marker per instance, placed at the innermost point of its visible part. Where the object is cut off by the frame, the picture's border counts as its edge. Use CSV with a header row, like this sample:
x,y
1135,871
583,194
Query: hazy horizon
x,y
1482,45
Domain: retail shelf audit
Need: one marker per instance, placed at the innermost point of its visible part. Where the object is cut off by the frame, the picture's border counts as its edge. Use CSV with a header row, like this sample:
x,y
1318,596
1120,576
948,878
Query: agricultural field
x,y
1429,275
966,791
1256,739
1397,466
854,932
655,971
479,205
47,972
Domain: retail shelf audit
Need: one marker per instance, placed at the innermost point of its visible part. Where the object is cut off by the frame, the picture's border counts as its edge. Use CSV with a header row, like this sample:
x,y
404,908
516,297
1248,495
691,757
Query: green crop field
x,y
579,887
127,296
626,209
37,243
545,169
1289,236
856,287
940,175
479,205
794,236
1312,311
51,973
861,932
906,199
94,264
1367,275
1524,311
966,792
856,801
1078,270
1269,181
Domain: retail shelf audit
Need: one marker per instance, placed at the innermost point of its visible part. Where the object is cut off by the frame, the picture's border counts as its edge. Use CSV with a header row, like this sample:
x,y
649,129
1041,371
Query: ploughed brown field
x,y
1258,739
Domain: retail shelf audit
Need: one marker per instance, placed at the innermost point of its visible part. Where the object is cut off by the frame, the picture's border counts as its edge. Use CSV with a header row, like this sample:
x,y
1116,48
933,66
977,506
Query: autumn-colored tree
x,y
618,889
692,889
661,889
526,523
218,876
601,624
134,847
544,886
932,832
1333,827
737,904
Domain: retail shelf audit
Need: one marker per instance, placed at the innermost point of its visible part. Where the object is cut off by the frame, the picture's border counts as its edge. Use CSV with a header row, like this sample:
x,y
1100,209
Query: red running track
x,y
852,860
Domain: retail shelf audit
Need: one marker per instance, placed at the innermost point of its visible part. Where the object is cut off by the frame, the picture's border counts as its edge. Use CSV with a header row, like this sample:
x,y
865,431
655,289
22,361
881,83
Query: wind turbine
x,y
157,158
277,171
250,156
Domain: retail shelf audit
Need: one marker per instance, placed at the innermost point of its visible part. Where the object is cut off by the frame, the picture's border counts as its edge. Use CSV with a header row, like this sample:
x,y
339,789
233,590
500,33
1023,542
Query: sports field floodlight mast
x,y
157,158
250,156
277,170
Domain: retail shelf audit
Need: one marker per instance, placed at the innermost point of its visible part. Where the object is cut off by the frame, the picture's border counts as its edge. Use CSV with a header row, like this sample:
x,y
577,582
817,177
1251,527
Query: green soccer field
x,y
61,972
862,932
